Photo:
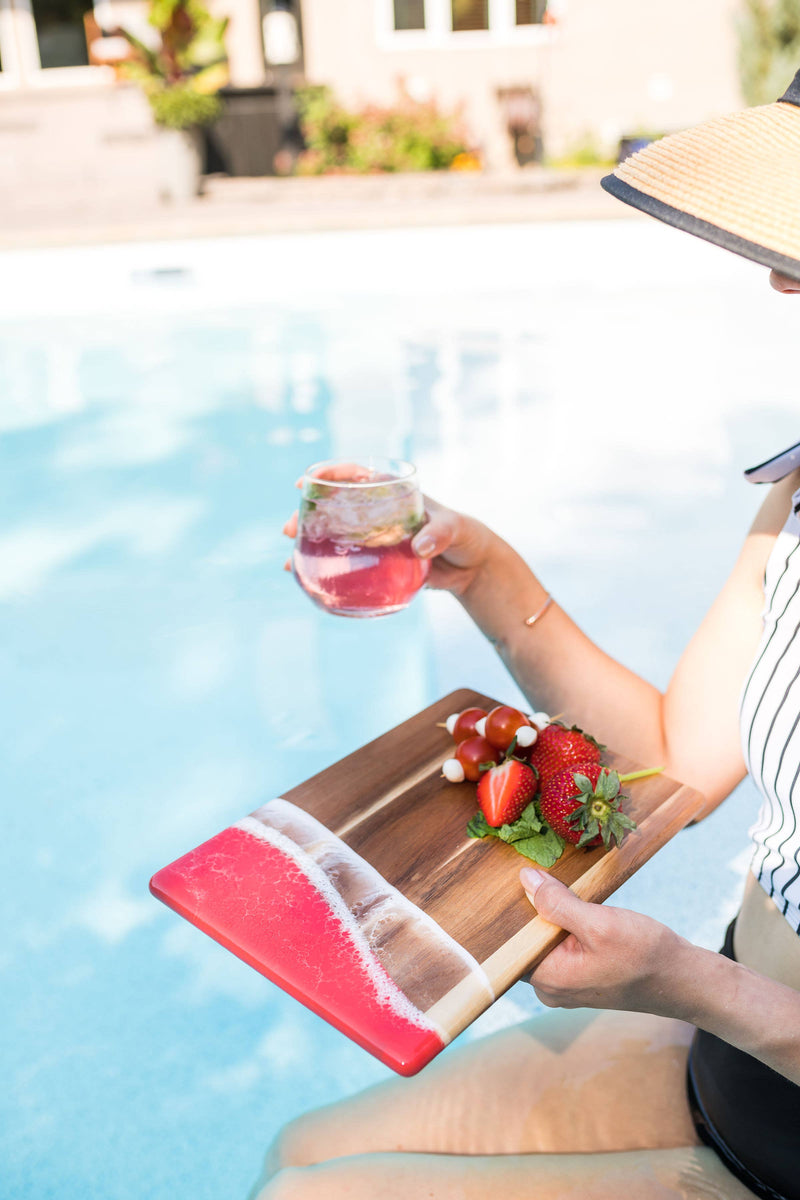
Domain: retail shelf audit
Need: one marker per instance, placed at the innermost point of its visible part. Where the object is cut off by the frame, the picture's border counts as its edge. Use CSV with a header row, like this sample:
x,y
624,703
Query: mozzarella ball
x,y
453,770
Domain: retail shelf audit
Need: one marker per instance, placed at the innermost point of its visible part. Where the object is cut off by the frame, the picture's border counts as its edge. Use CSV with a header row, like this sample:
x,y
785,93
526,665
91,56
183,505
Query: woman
x,y
681,1076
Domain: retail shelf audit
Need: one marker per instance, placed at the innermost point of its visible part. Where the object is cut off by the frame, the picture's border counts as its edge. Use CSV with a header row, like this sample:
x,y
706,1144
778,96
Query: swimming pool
x,y
590,390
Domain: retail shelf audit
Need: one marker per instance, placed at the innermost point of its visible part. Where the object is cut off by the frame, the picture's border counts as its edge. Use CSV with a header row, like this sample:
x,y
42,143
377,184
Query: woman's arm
x,y
692,729
618,959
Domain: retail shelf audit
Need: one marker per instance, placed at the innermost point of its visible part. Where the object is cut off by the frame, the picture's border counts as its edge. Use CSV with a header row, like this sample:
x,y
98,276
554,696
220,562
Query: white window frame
x,y
439,34
11,73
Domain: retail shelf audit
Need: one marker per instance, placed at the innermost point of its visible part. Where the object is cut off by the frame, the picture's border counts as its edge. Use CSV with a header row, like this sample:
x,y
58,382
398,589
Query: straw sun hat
x,y
734,181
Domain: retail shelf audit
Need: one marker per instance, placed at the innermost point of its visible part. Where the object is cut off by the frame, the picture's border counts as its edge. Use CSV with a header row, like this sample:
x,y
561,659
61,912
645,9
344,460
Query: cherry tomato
x,y
501,725
474,751
465,725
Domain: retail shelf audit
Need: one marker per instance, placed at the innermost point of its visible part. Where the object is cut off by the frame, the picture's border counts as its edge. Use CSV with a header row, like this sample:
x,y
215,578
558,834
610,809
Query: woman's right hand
x,y
458,547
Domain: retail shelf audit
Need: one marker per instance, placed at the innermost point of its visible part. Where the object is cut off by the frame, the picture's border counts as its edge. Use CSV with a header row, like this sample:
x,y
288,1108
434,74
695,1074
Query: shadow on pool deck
x,y
88,213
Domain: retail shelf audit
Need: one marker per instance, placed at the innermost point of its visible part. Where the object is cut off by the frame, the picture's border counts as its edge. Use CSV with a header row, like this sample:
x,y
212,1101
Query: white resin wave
x,y
368,907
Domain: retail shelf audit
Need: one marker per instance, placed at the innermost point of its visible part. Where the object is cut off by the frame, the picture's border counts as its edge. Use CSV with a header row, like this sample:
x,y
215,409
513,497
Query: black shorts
x,y
747,1112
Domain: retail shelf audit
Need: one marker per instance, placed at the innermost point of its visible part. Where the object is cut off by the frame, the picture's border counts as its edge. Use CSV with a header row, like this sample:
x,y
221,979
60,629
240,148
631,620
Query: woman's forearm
x,y
746,1009
557,666
691,730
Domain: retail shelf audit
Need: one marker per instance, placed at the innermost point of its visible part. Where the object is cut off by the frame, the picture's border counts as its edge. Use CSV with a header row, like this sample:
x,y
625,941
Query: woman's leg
x,y
686,1173
582,1082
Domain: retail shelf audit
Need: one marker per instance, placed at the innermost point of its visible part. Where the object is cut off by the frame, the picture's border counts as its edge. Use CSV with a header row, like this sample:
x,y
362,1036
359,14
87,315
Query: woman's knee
x,y
289,1183
292,1146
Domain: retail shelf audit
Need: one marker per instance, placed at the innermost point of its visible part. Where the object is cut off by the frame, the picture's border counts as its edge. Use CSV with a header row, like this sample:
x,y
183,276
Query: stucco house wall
x,y
603,69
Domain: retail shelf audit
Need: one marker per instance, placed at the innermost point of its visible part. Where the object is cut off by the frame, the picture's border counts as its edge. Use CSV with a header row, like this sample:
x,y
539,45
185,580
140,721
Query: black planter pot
x,y
256,124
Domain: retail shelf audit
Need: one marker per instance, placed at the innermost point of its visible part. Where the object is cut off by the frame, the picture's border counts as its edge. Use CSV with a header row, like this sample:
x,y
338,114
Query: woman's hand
x,y
612,958
458,547
290,529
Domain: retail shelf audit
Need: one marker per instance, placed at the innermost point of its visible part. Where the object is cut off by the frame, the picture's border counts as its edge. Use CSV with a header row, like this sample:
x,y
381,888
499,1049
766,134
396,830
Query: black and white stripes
x,y
770,726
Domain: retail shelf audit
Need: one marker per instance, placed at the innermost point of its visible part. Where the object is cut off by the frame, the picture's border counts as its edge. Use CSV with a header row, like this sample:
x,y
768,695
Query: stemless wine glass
x,y
353,553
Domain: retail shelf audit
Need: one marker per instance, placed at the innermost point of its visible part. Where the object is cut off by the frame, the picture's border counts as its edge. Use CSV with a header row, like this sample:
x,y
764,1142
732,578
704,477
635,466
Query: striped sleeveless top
x,y
770,710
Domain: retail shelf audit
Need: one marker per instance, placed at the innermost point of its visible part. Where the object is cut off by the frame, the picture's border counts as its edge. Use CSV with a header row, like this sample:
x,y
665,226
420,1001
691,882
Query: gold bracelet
x,y
532,620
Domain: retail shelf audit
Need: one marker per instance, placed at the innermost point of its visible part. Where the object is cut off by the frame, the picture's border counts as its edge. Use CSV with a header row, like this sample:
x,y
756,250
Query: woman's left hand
x,y
612,958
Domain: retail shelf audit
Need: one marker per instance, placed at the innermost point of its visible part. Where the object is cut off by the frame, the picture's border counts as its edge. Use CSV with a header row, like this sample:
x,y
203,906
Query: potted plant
x,y
181,77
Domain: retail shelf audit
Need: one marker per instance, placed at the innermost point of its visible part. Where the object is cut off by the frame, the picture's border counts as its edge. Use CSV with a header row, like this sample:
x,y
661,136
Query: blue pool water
x,y
591,391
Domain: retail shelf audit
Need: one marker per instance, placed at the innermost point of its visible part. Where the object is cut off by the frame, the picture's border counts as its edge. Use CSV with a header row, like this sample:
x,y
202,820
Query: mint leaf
x,y
530,836
532,815
479,827
513,833
528,823
543,848
520,829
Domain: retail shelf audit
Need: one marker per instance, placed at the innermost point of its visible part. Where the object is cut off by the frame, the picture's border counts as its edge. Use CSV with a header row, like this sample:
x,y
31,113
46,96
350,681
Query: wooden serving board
x,y
361,895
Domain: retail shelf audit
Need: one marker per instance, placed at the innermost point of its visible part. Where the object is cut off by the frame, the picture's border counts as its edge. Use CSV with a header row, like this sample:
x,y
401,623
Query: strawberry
x,y
504,791
558,747
581,802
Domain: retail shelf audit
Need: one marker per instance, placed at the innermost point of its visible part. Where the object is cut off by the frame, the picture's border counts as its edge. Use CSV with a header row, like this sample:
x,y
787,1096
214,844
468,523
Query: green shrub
x,y
409,137
182,108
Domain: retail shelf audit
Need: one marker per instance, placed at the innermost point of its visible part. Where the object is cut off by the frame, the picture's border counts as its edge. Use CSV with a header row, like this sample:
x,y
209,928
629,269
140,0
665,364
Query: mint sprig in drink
x,y
353,553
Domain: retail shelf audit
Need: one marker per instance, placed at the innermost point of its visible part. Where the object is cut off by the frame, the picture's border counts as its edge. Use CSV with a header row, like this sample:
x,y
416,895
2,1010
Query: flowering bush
x,y
408,137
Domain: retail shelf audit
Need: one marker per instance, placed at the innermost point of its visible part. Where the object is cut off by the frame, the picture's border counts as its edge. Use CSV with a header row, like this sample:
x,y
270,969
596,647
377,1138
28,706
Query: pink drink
x,y
351,579
353,551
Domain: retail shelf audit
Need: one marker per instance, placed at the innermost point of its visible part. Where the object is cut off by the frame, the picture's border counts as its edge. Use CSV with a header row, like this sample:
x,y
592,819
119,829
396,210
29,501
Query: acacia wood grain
x,y
389,802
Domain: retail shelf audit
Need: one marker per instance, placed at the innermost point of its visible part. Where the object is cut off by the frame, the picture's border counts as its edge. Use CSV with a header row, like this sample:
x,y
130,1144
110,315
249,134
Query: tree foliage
x,y
769,48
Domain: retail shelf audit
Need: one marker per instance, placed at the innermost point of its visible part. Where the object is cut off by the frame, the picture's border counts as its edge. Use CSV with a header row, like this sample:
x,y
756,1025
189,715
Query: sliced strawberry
x,y
504,791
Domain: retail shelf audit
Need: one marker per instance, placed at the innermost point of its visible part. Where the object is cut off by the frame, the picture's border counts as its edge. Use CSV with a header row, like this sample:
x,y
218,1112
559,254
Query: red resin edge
x,y
292,941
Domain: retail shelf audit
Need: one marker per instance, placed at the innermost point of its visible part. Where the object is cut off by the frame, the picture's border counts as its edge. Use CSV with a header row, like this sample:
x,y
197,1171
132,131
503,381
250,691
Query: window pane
x,y
530,12
59,28
470,14
409,14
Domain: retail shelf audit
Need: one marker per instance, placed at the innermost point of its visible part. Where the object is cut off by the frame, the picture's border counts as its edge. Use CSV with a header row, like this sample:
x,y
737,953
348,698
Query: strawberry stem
x,y
640,774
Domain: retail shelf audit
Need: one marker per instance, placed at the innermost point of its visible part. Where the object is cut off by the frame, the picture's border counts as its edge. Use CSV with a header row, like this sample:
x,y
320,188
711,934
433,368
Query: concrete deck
x,y
116,207
82,165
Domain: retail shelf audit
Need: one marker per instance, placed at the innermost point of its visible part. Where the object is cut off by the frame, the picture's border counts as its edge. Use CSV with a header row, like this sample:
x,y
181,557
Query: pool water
x,y
592,391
